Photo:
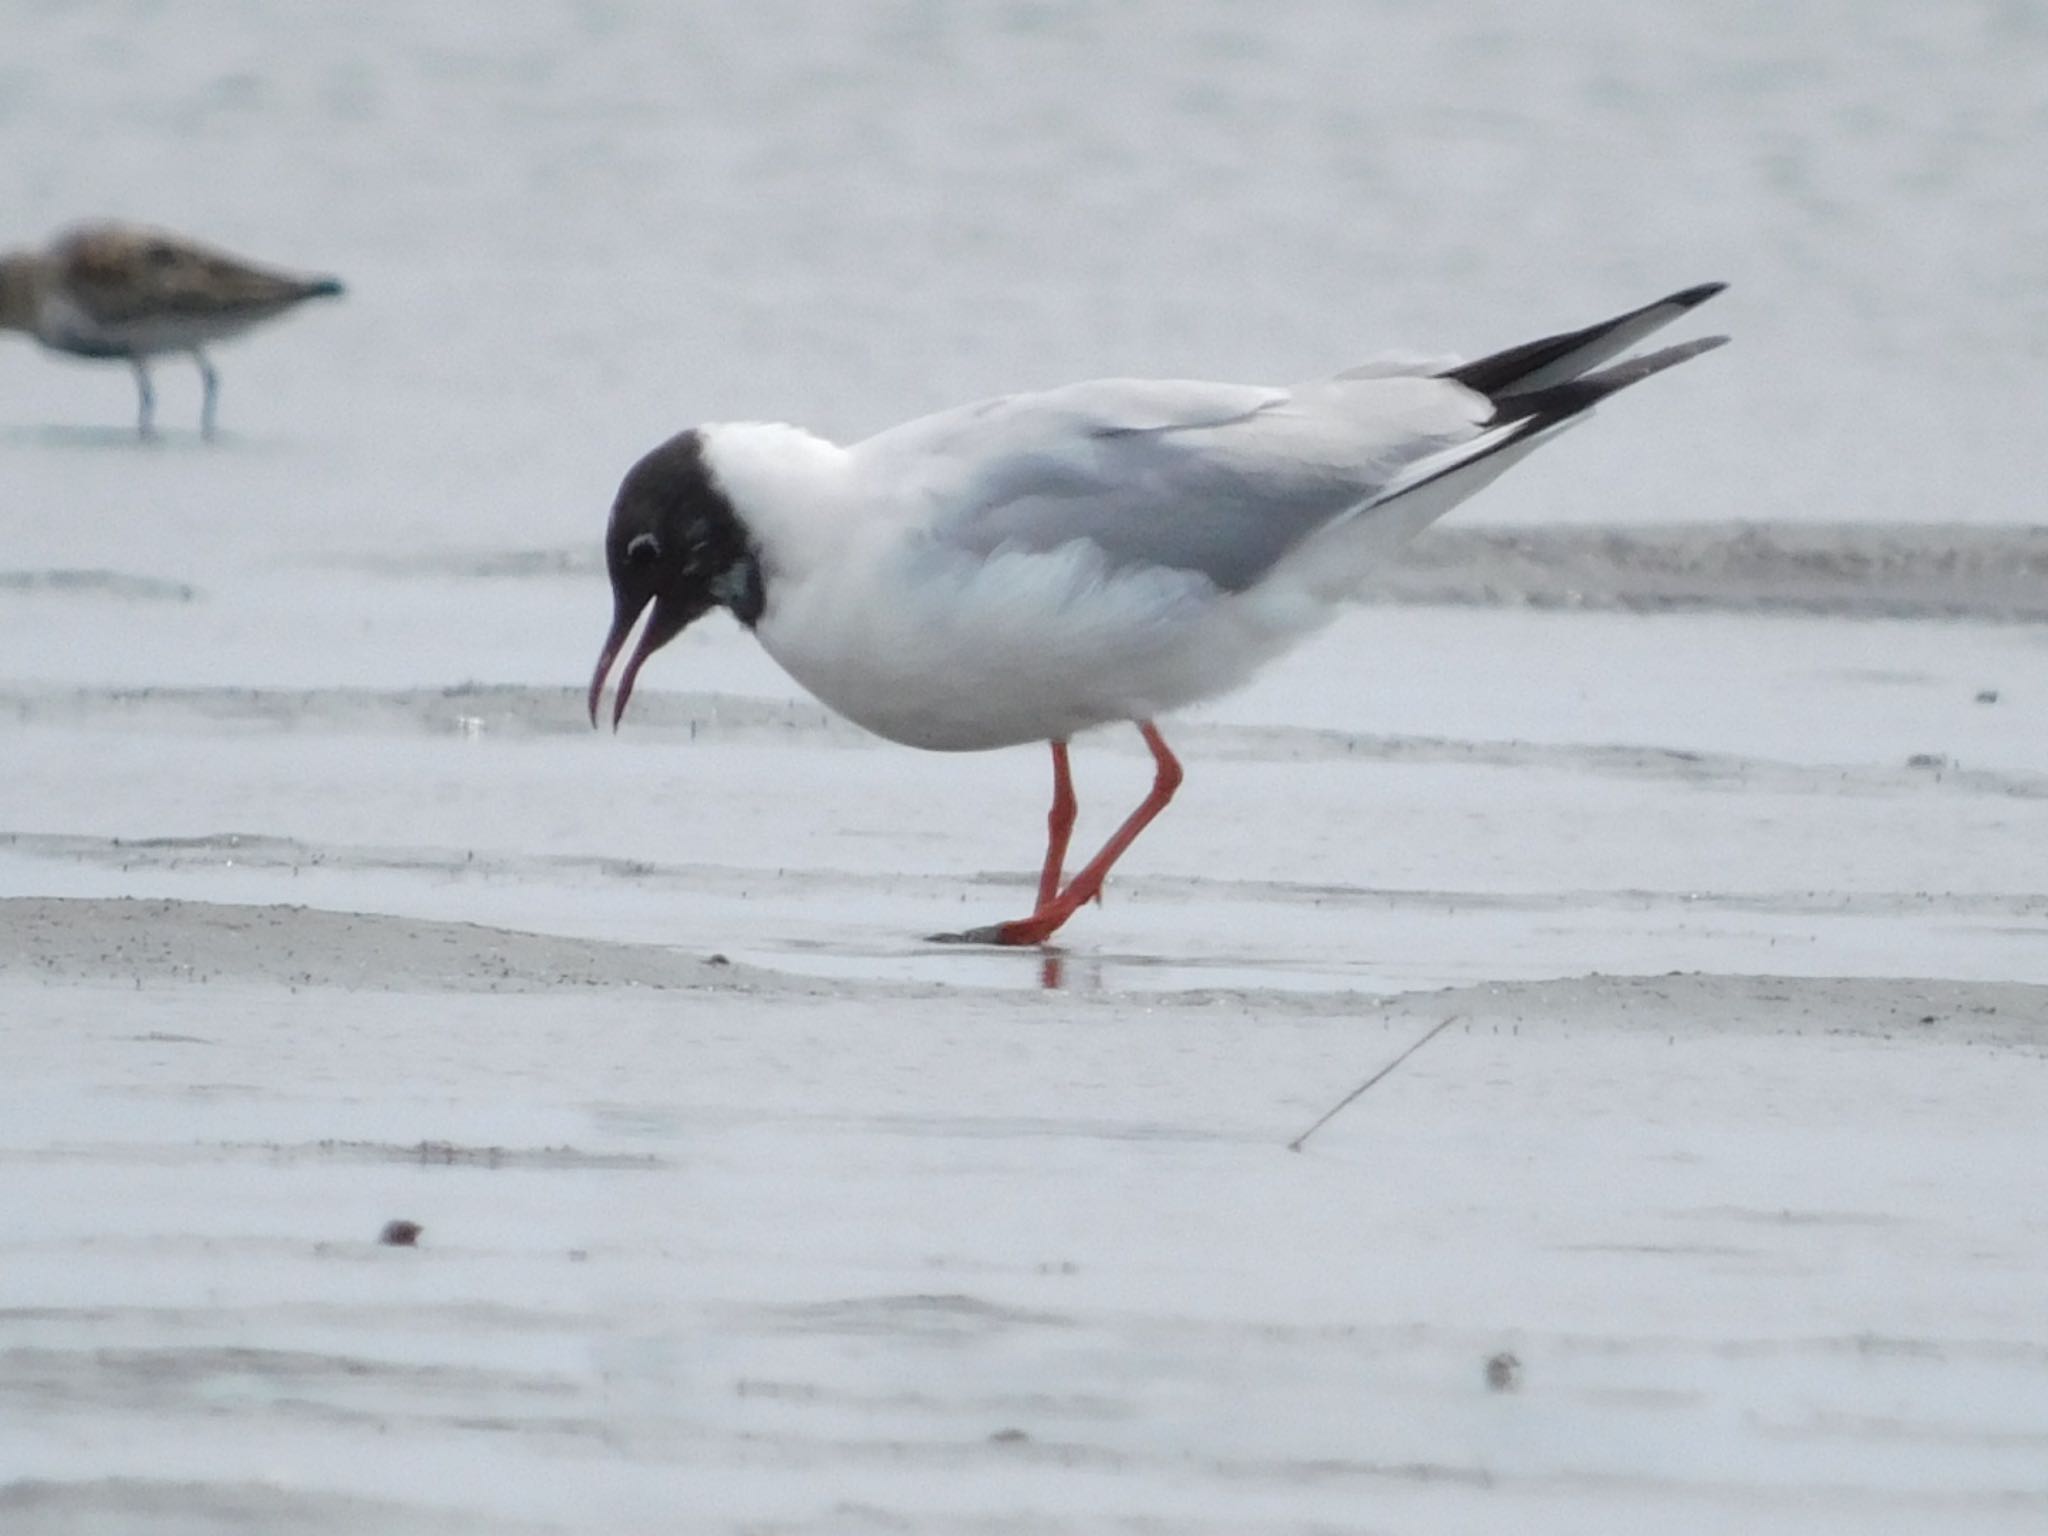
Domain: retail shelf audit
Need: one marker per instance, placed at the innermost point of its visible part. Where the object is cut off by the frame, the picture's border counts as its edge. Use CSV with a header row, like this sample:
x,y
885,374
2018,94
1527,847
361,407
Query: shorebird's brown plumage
x,y
129,292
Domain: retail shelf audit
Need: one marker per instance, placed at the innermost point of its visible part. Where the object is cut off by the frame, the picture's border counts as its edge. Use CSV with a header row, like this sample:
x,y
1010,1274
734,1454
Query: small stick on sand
x,y
1343,1103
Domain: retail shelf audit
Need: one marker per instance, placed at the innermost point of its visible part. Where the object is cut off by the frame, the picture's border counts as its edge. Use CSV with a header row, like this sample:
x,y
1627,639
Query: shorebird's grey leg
x,y
145,422
210,382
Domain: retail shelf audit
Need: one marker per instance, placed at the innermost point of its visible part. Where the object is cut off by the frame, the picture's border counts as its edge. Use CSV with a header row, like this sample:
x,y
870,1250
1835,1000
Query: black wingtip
x,y
1555,403
1555,359
1621,375
325,288
1634,370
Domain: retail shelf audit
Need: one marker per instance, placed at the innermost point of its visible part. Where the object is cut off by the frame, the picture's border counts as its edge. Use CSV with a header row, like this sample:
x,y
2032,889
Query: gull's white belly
x,y
963,653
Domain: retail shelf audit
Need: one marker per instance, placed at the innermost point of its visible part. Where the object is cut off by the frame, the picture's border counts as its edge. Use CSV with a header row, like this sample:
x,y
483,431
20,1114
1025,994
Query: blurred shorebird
x,y
129,292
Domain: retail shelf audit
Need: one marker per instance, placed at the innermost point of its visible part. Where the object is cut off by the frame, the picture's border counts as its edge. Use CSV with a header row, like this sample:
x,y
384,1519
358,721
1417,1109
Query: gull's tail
x,y
1536,390
1520,422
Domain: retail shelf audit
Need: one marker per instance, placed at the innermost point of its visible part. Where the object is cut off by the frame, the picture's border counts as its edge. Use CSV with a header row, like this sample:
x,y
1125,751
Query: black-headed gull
x,y
128,293
1028,567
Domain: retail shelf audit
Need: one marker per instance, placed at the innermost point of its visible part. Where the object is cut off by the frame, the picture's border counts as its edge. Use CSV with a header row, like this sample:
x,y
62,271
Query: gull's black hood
x,y
675,544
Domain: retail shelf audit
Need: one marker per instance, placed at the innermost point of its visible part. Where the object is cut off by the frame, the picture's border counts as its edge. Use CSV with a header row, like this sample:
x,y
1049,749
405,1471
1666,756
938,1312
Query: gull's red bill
x,y
622,626
668,620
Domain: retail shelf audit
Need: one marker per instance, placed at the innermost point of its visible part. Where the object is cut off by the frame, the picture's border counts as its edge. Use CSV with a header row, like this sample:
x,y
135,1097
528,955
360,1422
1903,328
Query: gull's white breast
x,y
948,651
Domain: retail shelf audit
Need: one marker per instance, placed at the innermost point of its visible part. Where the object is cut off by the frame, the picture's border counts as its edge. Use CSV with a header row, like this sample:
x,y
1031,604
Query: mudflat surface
x,y
828,1255
740,1199
1697,774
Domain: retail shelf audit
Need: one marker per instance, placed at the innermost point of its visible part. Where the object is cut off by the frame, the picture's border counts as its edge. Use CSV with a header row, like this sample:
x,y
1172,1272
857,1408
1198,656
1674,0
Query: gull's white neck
x,y
788,486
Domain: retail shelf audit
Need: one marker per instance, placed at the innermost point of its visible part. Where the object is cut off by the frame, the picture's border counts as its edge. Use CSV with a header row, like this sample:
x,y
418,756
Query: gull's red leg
x,y
1046,921
1059,826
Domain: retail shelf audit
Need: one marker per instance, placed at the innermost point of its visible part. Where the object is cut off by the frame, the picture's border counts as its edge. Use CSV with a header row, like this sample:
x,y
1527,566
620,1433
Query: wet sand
x,y
1699,775
744,1207
1883,571
709,1247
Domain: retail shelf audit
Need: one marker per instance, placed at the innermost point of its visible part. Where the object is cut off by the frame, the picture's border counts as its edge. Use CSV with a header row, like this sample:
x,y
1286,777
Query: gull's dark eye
x,y
160,255
643,549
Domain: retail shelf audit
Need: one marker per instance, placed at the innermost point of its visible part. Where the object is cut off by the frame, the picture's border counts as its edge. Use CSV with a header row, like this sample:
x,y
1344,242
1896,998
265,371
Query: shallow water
x,y
948,1262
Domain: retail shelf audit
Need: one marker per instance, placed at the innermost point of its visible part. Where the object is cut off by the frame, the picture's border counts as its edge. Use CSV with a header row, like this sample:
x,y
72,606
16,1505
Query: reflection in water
x,y
55,435
1061,971
995,968
1052,971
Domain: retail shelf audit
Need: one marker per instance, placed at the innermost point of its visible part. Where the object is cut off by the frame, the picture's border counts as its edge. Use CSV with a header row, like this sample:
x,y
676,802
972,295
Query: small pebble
x,y
400,1234
1503,1372
1987,696
1008,1437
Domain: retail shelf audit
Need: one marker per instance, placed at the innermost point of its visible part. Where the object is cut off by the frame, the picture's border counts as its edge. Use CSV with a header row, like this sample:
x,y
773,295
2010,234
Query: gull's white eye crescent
x,y
643,549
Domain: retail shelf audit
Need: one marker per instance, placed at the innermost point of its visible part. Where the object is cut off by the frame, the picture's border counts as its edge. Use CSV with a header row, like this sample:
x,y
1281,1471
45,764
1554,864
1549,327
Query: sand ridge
x,y
156,942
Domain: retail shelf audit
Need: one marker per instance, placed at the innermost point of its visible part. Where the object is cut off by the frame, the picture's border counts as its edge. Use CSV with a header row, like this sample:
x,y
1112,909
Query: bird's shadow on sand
x,y
72,437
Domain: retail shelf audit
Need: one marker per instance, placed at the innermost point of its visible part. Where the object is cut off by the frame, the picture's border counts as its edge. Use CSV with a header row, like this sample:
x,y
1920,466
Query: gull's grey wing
x,y
1148,499
1218,479
988,432
1225,480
